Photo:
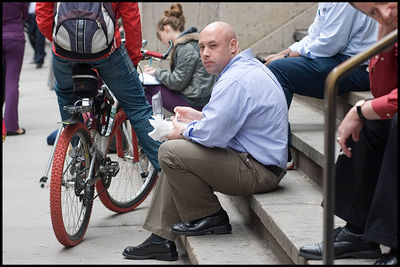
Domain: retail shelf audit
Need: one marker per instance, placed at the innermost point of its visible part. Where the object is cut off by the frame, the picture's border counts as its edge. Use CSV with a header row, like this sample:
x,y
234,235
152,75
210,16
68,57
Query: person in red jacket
x,y
367,172
117,69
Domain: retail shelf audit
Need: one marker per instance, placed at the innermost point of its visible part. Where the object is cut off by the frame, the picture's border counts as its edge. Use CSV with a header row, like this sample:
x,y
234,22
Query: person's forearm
x,y
284,52
294,54
368,111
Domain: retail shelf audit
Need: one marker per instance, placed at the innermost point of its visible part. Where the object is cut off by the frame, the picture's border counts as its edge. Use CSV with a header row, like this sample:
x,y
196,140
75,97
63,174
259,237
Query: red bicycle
x,y
101,153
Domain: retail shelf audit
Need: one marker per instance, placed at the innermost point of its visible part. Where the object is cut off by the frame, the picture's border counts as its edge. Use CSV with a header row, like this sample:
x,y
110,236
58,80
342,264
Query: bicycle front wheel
x,y
136,176
70,199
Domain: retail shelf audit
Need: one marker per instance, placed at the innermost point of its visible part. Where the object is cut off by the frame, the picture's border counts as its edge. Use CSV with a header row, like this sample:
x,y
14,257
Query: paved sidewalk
x,y
28,236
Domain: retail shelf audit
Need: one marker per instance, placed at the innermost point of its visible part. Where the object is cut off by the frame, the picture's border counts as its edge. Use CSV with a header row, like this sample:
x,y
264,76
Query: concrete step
x,y
267,228
307,128
242,246
306,117
291,216
344,102
300,34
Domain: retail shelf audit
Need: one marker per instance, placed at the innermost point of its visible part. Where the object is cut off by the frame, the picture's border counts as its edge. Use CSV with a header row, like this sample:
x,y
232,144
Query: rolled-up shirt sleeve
x,y
386,106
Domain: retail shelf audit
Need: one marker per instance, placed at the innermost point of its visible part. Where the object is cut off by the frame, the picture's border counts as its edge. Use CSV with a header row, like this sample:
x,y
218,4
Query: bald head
x,y
218,45
222,29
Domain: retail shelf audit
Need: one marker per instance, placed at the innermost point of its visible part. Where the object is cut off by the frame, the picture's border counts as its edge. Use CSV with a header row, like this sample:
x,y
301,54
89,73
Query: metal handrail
x,y
330,118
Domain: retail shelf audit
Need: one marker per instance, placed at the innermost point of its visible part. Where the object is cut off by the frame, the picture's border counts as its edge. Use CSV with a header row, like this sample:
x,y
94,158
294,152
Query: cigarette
x,y
342,152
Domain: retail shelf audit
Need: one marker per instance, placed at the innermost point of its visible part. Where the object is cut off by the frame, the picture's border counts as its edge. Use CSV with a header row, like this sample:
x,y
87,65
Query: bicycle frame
x,y
98,149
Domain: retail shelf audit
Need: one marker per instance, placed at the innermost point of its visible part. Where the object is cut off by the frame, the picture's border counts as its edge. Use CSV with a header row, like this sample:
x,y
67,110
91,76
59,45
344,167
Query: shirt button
x,y
376,56
387,114
381,58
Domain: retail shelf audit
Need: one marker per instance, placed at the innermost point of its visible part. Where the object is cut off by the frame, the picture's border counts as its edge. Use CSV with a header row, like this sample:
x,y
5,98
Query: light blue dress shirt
x,y
338,28
247,112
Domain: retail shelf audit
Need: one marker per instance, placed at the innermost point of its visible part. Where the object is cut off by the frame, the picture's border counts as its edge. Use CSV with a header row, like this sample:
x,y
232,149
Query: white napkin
x,y
161,128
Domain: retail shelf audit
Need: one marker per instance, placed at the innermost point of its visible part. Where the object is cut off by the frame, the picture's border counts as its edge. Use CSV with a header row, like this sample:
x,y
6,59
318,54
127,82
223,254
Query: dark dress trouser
x,y
366,183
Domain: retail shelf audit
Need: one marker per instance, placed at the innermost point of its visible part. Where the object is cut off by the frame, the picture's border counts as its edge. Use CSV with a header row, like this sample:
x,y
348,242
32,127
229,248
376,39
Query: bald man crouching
x,y
237,145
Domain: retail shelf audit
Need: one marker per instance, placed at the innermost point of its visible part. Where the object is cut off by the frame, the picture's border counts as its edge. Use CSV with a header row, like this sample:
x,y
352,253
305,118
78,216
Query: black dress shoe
x,y
16,132
387,259
346,245
215,224
164,250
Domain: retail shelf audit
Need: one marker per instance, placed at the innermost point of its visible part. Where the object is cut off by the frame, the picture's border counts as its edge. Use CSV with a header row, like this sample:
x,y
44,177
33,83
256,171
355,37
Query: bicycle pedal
x,y
43,180
112,168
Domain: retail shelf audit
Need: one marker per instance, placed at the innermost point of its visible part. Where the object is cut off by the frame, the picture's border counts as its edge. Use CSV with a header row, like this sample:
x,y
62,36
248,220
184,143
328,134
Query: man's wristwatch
x,y
358,105
181,134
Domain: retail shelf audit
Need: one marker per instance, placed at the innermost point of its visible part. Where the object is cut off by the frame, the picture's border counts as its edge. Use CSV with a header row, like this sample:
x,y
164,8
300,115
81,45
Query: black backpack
x,y
83,30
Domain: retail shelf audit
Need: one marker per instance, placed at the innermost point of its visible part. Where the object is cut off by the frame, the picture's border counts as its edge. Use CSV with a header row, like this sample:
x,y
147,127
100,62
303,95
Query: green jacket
x,y
187,75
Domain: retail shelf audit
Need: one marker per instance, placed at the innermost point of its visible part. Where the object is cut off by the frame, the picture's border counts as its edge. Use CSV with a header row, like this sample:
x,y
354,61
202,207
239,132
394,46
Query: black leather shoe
x,y
387,259
346,245
165,250
214,224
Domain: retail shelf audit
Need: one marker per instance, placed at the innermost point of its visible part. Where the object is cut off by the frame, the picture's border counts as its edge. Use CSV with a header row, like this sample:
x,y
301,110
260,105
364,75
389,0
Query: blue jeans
x,y
304,76
119,73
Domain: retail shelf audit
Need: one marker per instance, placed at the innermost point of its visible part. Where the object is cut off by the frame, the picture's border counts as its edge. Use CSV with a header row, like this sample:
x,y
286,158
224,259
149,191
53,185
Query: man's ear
x,y
233,46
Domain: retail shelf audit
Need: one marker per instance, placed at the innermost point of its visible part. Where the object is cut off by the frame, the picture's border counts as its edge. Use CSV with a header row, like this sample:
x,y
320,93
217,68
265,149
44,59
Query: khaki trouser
x,y
190,175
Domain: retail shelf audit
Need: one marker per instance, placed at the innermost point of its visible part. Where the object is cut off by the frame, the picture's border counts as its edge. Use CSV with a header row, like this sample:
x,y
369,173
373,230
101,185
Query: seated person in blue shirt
x,y
339,31
237,145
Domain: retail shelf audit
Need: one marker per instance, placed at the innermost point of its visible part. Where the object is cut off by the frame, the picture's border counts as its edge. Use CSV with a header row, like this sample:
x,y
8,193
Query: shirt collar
x,y
246,54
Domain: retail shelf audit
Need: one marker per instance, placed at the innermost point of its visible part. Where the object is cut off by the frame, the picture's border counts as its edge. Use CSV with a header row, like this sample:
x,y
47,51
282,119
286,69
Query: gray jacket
x,y
187,76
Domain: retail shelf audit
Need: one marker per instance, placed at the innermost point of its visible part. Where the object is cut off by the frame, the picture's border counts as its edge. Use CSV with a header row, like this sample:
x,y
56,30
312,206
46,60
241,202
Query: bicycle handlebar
x,y
147,53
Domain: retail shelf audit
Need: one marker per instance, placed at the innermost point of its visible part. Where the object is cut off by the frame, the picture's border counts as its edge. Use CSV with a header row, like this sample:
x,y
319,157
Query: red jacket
x,y
383,82
128,11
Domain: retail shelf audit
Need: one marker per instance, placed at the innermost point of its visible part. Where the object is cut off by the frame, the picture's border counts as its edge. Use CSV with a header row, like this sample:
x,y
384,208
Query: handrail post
x,y
328,184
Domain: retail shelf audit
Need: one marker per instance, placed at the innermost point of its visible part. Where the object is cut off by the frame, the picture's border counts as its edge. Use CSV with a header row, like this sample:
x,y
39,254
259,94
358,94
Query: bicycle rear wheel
x,y
70,203
136,176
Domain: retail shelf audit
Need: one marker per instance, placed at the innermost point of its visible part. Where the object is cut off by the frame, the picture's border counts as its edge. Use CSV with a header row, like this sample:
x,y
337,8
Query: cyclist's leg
x,y
118,72
63,87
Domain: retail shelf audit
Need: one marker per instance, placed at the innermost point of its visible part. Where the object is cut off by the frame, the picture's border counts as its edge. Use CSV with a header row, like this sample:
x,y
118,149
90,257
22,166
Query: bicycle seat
x,y
85,80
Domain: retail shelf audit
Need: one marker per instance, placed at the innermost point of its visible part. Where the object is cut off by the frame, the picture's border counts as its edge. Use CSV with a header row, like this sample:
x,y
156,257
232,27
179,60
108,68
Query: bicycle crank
x,y
109,168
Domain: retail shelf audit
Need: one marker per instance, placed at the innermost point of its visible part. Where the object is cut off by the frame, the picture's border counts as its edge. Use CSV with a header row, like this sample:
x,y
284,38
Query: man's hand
x,y
183,116
187,114
177,130
270,58
351,125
